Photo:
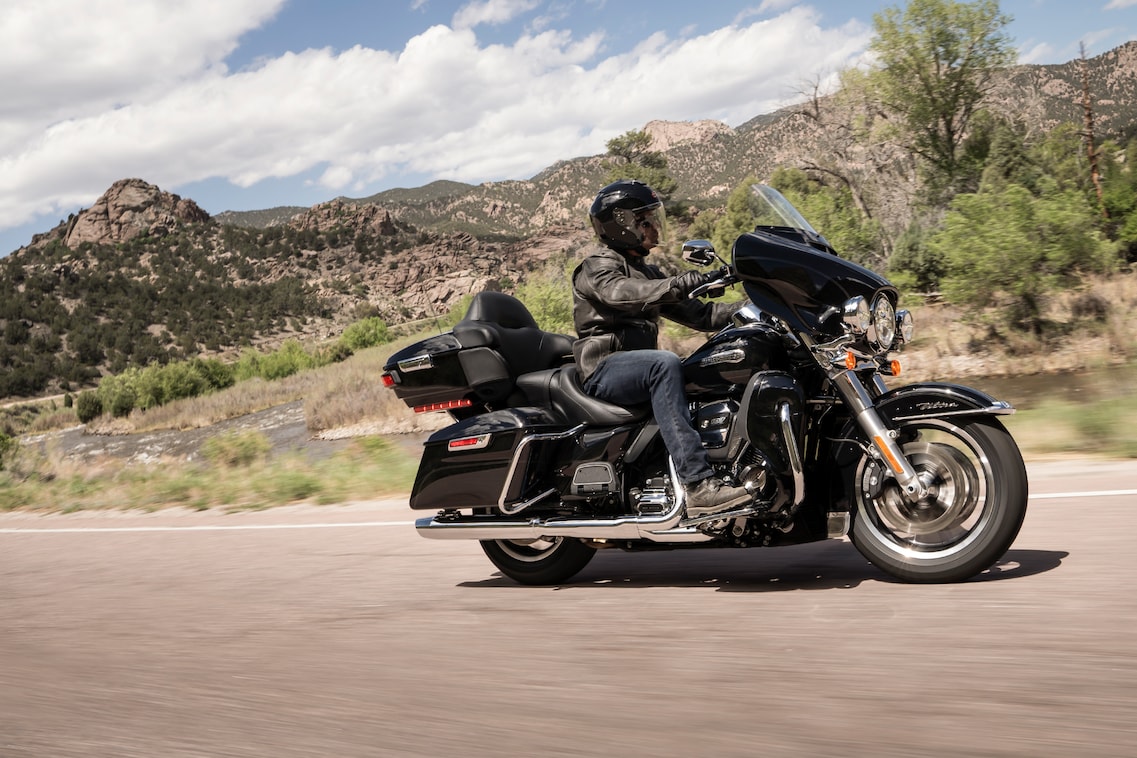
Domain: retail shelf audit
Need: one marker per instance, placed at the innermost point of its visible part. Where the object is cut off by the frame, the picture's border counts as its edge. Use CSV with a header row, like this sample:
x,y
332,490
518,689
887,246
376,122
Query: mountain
x,y
709,158
145,275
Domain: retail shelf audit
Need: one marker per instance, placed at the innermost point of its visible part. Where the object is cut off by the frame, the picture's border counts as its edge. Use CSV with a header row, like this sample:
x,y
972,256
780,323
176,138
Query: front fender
x,y
913,402
937,400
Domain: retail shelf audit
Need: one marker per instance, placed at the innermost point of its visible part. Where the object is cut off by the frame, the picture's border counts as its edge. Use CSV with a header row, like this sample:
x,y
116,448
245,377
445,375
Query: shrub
x,y
217,374
88,406
7,449
366,333
289,359
122,402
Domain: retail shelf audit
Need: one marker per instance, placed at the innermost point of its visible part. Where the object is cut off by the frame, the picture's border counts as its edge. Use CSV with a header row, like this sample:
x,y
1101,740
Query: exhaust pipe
x,y
656,528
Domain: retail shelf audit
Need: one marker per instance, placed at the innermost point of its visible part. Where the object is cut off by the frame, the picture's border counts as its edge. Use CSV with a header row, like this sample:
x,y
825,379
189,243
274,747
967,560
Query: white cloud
x,y
1035,53
490,12
1090,39
444,106
59,57
1116,5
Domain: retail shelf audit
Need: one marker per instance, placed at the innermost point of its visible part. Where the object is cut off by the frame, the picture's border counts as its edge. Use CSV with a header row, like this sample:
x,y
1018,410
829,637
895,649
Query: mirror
x,y
699,252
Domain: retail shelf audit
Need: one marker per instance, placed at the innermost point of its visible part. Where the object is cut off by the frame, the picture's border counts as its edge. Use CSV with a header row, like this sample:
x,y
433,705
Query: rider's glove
x,y
723,273
683,284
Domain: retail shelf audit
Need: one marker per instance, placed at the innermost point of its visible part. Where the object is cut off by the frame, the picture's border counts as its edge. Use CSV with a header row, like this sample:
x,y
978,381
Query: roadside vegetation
x,y
238,470
1016,257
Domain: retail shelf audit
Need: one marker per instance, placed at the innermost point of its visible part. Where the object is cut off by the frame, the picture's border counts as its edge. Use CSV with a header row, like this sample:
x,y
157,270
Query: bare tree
x,y
1088,134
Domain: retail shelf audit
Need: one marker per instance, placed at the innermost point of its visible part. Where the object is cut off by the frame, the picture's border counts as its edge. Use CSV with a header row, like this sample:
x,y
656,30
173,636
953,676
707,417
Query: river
x,y
1030,391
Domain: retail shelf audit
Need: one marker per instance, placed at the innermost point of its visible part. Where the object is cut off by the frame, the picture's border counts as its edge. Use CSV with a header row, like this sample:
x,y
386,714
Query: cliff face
x,y
131,208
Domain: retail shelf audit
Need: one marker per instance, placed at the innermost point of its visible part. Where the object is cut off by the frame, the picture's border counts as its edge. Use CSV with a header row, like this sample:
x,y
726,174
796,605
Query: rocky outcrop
x,y
131,208
668,134
339,214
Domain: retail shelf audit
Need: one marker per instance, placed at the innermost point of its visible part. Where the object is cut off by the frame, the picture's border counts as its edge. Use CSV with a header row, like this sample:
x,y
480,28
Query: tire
x,y
977,497
536,562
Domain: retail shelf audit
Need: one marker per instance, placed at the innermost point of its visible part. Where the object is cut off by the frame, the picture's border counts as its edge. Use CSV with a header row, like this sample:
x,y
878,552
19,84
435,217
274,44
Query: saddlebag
x,y
470,464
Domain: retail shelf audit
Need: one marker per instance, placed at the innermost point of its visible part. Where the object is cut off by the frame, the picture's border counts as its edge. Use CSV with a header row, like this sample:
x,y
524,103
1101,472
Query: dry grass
x,y
232,480
342,396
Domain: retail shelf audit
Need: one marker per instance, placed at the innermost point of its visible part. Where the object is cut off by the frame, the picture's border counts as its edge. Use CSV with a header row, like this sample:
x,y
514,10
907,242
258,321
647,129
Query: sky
x,y
252,104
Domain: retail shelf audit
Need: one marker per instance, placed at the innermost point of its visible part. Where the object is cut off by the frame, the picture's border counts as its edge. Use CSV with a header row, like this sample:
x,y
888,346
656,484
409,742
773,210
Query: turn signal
x,y
895,368
850,360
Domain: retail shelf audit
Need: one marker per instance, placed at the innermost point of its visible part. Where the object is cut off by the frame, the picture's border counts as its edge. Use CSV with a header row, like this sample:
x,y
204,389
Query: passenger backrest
x,y
513,344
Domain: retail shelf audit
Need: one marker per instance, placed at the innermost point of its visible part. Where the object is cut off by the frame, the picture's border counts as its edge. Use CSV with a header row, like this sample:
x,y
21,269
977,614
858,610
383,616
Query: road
x,y
338,631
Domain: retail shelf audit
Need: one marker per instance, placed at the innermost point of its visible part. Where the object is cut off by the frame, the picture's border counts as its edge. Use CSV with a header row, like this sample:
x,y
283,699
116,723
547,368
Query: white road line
x,y
1098,493
361,524
210,528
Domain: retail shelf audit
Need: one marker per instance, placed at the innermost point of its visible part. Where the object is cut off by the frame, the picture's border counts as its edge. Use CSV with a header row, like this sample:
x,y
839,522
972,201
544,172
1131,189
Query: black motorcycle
x,y
790,401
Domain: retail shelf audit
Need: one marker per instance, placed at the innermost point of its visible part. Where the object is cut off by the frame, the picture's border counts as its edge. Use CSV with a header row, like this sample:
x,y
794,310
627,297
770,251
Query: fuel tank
x,y
731,357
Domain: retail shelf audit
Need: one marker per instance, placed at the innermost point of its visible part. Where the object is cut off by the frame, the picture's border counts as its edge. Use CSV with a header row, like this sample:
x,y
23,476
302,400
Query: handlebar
x,y
717,280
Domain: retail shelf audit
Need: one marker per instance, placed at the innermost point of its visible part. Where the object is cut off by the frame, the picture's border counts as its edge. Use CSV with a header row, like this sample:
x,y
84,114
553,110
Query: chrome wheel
x,y
529,551
975,502
953,506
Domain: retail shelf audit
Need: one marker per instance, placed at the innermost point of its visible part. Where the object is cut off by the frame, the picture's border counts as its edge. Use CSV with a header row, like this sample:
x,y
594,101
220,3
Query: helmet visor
x,y
648,225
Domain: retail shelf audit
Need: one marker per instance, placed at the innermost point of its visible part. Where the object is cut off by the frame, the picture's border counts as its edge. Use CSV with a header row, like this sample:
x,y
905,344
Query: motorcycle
x,y
790,401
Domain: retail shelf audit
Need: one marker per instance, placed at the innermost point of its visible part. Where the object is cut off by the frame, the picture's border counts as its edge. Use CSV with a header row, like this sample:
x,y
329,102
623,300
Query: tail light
x,y
448,405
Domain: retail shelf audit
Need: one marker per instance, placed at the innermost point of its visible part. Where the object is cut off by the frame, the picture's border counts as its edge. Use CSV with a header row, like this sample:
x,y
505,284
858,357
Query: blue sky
x,y
248,104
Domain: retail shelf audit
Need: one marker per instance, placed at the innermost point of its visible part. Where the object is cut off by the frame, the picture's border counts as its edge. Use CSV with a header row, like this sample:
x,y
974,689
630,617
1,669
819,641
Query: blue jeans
x,y
630,378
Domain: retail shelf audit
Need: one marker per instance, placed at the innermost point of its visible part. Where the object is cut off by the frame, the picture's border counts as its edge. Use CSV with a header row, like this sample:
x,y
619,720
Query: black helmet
x,y
620,210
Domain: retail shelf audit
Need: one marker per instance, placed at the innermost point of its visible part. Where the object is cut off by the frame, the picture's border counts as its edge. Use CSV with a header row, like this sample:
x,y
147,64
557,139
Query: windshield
x,y
771,211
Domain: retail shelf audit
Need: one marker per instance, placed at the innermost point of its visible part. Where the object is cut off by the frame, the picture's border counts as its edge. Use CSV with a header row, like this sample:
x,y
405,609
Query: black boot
x,y
712,495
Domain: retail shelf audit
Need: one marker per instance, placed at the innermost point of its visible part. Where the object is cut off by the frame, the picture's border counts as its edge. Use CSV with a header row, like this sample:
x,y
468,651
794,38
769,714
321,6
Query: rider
x,y
617,301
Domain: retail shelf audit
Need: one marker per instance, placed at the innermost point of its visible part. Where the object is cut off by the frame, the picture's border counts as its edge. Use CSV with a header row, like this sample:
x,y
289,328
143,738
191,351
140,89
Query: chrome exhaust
x,y
655,528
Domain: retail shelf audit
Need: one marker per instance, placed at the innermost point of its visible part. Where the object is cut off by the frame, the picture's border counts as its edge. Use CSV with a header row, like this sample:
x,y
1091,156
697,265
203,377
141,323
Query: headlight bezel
x,y
857,316
905,325
883,333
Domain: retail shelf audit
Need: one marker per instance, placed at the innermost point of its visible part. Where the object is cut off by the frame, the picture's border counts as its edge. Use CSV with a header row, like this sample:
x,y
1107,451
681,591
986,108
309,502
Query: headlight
x,y
857,315
884,320
905,325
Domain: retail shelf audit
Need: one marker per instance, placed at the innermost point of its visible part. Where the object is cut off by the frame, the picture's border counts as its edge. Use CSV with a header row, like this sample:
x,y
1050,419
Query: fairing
x,y
803,286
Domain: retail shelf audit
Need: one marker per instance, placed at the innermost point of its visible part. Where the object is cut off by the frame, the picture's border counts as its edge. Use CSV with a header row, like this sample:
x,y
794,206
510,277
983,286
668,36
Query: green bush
x,y
88,406
366,333
217,375
180,380
7,449
550,302
1010,248
289,359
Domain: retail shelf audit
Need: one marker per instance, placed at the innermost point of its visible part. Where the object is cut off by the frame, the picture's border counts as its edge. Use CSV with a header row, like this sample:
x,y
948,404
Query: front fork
x,y
860,404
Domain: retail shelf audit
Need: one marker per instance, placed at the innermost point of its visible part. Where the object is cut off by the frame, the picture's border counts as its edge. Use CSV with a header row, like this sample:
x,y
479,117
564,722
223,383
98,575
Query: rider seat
x,y
560,390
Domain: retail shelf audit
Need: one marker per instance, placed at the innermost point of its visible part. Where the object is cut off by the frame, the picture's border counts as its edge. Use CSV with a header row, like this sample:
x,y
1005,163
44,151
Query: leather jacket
x,y
617,302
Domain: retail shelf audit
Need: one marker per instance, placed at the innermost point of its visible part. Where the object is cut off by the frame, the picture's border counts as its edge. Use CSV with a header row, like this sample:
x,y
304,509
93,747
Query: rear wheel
x,y
542,561
975,504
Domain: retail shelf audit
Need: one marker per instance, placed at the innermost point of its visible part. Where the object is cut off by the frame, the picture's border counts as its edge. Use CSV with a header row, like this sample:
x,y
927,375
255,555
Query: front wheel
x,y
975,504
541,561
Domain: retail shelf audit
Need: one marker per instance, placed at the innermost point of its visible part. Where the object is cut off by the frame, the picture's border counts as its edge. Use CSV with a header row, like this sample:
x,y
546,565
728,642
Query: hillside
x,y
144,275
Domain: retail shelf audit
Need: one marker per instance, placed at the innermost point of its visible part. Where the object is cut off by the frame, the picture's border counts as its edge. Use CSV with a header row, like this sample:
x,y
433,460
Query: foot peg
x,y
749,510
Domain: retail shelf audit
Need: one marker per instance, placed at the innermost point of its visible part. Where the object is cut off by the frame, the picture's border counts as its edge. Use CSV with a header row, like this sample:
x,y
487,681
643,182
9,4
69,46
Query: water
x,y
1026,392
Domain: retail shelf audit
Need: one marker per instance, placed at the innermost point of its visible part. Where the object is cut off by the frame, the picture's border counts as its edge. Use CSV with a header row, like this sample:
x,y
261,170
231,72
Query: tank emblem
x,y
736,355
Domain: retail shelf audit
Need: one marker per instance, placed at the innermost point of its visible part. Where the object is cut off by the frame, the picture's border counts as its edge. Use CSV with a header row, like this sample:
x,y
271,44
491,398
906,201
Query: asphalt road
x,y
338,631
